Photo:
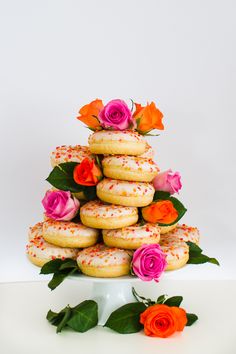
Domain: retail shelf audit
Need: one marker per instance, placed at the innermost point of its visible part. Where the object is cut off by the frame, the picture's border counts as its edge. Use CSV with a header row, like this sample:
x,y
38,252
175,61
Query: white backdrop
x,y
58,55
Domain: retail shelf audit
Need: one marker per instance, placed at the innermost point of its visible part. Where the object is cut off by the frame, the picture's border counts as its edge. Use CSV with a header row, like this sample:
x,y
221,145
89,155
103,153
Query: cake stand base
x,y
109,297
110,294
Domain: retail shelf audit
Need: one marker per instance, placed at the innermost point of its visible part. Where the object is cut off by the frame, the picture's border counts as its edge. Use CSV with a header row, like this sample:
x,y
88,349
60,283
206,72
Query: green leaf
x,y
161,299
202,258
66,315
96,157
191,317
68,263
161,195
174,301
58,264
196,256
126,318
58,277
194,248
84,316
80,318
52,317
59,319
51,266
61,177
90,192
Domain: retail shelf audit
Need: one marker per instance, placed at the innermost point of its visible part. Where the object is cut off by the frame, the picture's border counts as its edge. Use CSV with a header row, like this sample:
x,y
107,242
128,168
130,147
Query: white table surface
x,y
24,328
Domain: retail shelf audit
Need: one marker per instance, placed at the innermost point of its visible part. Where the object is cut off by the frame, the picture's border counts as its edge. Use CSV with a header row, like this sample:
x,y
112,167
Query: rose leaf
x,y
84,316
126,318
191,317
174,301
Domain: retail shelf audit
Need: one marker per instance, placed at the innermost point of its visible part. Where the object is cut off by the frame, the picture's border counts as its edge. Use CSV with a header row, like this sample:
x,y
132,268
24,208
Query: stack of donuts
x,y
109,230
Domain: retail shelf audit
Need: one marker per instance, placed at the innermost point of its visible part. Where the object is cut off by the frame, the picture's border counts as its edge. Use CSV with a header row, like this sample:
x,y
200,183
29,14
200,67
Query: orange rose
x,y
162,212
87,173
162,320
89,112
148,118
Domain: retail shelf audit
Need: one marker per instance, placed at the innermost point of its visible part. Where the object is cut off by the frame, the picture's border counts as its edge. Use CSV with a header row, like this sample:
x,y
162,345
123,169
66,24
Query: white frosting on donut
x,y
101,255
174,250
148,153
68,229
115,135
98,209
183,233
38,247
134,232
125,188
35,231
138,164
68,153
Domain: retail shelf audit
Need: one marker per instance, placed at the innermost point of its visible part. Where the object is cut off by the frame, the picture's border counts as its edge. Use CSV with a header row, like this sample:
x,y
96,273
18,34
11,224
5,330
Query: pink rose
x,y
116,115
60,205
149,262
168,181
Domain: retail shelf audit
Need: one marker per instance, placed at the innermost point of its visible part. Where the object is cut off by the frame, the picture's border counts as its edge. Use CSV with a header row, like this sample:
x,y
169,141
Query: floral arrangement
x,y
160,318
116,115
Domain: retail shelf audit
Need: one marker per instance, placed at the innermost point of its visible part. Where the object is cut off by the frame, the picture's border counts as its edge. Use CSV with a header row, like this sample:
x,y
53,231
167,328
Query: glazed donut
x,y
126,142
177,253
102,261
166,229
132,237
125,193
183,233
69,234
148,153
129,168
40,252
107,216
35,231
68,153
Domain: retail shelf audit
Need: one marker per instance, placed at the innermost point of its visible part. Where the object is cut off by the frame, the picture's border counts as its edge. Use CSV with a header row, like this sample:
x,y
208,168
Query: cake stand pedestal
x,y
109,293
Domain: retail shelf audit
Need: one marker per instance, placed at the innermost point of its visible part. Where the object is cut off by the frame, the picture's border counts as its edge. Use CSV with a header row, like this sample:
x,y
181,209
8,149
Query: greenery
x,y
80,318
196,256
62,178
60,270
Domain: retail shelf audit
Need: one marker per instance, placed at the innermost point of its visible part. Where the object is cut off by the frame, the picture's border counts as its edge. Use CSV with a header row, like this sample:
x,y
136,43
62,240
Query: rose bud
x,y
60,205
116,115
168,181
87,173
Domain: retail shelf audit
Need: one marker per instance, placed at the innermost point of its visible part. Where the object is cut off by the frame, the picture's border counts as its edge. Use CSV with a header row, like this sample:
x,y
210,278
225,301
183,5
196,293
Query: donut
x,y
69,234
35,231
68,153
107,216
40,252
104,262
129,168
132,237
148,153
176,251
184,233
126,142
125,193
166,229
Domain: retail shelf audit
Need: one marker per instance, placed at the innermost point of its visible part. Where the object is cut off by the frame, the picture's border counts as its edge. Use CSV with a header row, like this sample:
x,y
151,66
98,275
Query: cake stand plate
x,y
109,293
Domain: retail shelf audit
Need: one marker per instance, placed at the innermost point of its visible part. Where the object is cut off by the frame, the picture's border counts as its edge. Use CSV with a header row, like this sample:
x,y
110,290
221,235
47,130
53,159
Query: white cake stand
x,y
109,293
